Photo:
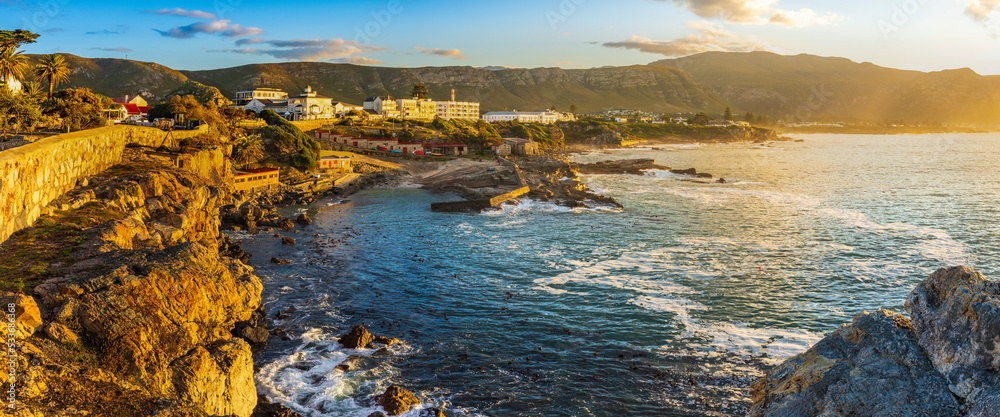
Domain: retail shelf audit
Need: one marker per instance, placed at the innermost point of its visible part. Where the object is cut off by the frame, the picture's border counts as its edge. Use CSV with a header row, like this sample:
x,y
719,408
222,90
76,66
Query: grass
x,y
36,253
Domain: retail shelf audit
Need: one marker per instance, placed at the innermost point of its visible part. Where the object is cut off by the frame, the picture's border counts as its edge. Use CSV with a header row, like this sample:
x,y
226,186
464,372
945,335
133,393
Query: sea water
x,y
673,305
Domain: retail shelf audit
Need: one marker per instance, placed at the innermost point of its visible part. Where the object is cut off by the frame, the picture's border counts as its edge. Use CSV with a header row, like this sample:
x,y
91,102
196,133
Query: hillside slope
x,y
820,88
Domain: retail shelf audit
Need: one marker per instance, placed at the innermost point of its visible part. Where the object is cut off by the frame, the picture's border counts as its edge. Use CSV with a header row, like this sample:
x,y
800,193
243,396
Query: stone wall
x,y
33,175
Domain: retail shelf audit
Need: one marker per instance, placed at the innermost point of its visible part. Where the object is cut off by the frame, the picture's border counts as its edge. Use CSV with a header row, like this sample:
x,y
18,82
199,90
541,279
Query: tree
x,y
247,150
18,112
572,108
54,70
77,107
16,38
699,119
420,91
33,91
12,64
748,117
728,115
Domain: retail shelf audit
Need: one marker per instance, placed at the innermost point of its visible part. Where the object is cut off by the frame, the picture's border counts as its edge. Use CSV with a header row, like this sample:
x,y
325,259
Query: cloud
x,y
249,41
757,12
456,53
104,32
198,14
337,50
221,27
357,60
118,49
981,10
710,37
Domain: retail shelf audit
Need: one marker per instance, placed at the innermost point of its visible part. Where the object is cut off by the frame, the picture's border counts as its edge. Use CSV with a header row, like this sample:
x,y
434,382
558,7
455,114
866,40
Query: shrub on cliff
x,y
78,108
289,138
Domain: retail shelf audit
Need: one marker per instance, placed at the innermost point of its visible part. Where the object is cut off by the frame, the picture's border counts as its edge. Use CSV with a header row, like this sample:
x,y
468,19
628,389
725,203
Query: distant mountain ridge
x,y
837,89
805,87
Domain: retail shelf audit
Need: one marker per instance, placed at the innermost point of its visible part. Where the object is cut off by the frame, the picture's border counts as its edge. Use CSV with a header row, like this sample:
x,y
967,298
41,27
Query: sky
x,y
926,35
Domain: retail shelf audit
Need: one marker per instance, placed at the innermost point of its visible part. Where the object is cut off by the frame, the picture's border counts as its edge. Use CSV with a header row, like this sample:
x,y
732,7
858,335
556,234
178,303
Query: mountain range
x,y
801,87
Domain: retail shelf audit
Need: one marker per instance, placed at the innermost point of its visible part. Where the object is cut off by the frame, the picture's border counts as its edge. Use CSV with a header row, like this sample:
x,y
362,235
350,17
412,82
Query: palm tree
x,y
247,150
33,91
12,64
52,69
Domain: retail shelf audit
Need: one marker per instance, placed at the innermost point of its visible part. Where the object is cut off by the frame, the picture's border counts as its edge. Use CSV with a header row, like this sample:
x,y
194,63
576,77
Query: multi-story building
x,y
246,96
543,117
416,109
260,104
464,110
310,106
383,106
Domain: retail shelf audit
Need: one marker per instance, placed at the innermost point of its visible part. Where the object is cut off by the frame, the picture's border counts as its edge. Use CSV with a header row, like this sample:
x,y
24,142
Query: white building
x,y
543,117
310,106
260,104
383,106
341,108
464,110
246,96
14,85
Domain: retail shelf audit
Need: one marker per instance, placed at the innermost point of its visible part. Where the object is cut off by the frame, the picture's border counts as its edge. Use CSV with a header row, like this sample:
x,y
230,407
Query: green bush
x,y
289,138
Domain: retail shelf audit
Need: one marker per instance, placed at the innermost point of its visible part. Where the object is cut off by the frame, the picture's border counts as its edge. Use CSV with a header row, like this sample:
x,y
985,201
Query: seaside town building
x,y
500,149
258,105
462,110
251,179
14,85
416,109
310,106
335,163
385,107
341,108
543,117
392,144
521,147
246,96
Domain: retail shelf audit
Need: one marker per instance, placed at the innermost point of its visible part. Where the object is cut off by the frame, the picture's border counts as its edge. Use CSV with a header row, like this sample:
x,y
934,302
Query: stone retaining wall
x,y
33,175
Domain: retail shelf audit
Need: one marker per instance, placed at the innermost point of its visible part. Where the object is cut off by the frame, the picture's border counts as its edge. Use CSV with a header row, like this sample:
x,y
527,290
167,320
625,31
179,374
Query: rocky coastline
x,y
944,360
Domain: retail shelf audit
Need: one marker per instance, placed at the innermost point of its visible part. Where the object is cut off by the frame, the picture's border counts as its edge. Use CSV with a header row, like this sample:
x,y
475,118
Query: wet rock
x,y
431,412
871,367
287,241
286,224
266,408
388,341
377,414
396,400
280,261
253,330
285,313
233,250
358,338
626,166
303,219
60,333
691,172
956,317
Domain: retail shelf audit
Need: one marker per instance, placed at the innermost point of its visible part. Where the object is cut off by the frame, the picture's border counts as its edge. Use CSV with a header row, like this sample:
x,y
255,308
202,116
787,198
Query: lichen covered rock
x,y
396,400
871,367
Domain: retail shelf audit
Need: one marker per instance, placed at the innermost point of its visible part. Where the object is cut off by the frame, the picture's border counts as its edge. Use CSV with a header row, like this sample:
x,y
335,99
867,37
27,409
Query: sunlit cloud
x,y
456,53
710,37
756,12
220,27
337,50
981,10
198,14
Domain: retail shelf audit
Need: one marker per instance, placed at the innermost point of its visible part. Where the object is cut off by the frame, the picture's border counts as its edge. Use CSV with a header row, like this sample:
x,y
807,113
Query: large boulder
x,y
266,408
871,367
358,338
164,306
956,317
219,378
27,316
396,400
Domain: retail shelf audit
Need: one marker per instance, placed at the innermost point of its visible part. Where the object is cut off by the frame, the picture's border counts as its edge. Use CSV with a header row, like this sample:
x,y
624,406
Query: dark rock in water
x,y
254,330
396,400
431,412
721,181
285,313
279,261
286,224
266,409
377,414
388,341
287,241
872,367
303,219
358,338
626,166
233,250
691,172
956,317
342,368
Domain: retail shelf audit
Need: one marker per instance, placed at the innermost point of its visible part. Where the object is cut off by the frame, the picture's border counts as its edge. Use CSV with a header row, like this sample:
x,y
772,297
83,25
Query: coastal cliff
x,y
136,314
942,361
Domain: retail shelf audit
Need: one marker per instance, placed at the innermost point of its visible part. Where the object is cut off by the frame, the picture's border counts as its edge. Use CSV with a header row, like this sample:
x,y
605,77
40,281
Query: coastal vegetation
x,y
286,138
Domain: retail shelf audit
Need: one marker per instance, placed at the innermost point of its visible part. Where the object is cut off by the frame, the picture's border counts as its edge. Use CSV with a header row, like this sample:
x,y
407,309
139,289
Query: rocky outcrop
x,y
956,317
626,166
267,409
219,377
396,400
945,362
27,317
360,338
872,367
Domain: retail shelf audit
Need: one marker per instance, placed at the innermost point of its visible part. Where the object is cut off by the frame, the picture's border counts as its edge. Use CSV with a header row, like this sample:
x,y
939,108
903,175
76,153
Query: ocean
x,y
673,305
